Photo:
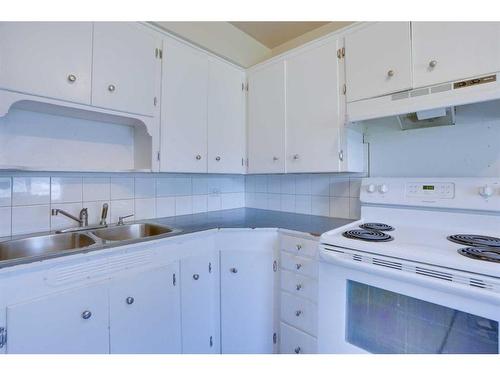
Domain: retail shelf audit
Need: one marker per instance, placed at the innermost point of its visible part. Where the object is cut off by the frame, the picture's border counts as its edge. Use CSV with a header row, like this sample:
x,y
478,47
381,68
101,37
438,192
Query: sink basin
x,y
36,246
132,231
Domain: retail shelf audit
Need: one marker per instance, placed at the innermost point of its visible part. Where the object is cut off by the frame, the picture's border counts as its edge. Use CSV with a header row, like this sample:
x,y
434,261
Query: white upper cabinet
x,y
447,51
51,59
126,68
378,60
184,109
145,312
313,110
266,119
226,118
72,322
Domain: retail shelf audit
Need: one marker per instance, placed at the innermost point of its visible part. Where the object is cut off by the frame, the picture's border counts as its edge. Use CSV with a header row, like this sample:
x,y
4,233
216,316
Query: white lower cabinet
x,y
200,290
299,294
71,322
145,314
247,302
294,341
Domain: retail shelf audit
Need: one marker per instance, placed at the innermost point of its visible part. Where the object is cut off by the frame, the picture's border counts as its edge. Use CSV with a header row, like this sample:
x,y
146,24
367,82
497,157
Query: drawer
x,y
299,285
293,341
299,313
303,266
299,246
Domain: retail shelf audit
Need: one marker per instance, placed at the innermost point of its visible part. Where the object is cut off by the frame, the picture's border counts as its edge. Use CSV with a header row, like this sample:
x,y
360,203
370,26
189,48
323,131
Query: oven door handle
x,y
468,291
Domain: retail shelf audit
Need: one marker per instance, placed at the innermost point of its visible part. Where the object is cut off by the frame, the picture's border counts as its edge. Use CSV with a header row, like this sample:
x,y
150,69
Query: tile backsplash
x,y
26,199
317,194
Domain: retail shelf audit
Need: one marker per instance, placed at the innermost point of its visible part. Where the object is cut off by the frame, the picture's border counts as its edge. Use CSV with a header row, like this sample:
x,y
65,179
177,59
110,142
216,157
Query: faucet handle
x,y
104,213
120,218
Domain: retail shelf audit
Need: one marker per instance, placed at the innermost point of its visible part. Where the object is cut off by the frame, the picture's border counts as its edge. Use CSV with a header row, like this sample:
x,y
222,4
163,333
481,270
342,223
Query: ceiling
x,y
273,34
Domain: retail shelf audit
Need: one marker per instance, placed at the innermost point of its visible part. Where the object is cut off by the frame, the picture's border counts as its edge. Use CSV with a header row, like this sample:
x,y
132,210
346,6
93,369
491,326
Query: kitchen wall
x,y
317,194
27,198
471,148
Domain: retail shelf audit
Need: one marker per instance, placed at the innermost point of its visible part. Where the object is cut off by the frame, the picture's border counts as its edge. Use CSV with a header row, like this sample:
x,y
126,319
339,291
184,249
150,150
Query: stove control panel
x,y
440,190
477,193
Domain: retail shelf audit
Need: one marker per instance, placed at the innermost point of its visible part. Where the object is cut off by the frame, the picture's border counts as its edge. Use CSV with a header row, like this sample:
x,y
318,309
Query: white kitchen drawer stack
x,y
299,295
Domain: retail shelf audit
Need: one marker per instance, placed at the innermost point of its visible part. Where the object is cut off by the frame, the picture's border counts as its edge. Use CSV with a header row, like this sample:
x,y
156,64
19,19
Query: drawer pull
x,y
129,300
233,270
298,246
297,350
86,314
298,313
196,276
298,286
298,266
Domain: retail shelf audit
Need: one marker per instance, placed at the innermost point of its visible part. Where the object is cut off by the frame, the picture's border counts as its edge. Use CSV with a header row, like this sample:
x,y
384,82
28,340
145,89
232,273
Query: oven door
x,y
368,306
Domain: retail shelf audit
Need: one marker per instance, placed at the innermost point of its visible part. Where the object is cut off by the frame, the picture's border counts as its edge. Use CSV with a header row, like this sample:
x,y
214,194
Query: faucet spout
x,y
57,211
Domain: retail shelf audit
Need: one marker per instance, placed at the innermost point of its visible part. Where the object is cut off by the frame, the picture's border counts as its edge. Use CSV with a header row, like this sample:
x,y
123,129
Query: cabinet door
x,y
184,109
145,312
247,302
3,332
226,118
126,68
378,60
313,110
266,119
72,322
200,304
447,51
52,59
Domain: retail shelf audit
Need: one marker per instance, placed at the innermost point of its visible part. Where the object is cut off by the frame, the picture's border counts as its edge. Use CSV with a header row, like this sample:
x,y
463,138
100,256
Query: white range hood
x,y
474,90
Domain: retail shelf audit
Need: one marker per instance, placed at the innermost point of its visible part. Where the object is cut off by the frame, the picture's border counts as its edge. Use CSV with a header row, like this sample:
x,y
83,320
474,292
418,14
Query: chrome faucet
x,y
104,214
121,218
83,220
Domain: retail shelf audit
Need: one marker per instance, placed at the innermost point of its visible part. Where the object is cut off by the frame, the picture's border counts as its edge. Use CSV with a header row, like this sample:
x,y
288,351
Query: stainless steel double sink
x,y
37,247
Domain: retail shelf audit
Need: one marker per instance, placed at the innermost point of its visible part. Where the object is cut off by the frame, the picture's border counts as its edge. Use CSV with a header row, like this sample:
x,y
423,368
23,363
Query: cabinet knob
x,y
433,63
275,158
111,88
130,300
390,73
296,157
233,270
198,157
196,276
297,350
298,266
86,314
298,286
298,246
71,78
298,313
217,158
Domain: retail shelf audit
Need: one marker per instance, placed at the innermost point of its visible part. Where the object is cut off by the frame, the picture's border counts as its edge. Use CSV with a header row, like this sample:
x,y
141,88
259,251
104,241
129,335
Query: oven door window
x,y
381,321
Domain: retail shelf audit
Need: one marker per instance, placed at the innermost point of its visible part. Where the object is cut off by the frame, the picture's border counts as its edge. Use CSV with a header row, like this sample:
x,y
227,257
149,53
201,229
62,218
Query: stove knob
x,y
383,188
371,188
486,191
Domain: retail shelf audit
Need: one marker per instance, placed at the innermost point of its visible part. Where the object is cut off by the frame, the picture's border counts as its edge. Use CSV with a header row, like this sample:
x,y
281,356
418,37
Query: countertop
x,y
234,218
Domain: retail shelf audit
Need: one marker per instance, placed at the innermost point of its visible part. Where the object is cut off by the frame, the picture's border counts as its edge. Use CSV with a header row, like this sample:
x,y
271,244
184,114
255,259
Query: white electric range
x,y
419,273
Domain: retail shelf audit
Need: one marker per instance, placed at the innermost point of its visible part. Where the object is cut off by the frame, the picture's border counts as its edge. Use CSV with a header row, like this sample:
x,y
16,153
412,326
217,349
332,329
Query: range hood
x,y
441,97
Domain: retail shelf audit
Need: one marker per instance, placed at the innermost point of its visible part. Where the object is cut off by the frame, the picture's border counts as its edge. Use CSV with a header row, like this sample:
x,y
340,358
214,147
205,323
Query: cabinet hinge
x,y
155,101
211,341
174,280
339,53
247,162
209,267
275,338
3,337
343,51
275,266
158,53
158,156
344,89
246,87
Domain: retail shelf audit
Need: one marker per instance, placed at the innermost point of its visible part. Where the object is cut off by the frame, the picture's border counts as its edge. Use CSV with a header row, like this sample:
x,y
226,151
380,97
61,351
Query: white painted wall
x,y
471,148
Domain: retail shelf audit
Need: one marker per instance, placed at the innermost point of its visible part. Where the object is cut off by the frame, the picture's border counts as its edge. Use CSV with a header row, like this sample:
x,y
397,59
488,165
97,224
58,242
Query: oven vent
x,y
433,273
387,263
455,276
